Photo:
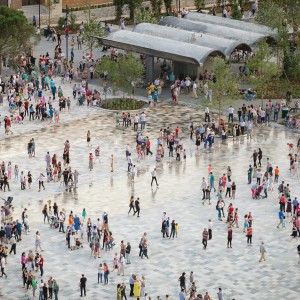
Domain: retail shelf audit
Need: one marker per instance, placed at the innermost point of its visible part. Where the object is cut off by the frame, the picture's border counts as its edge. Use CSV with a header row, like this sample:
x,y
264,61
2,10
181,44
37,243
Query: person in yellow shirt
x,y
176,229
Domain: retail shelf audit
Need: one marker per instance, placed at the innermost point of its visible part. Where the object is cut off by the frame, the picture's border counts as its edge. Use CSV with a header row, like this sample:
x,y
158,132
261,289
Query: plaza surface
x,y
236,270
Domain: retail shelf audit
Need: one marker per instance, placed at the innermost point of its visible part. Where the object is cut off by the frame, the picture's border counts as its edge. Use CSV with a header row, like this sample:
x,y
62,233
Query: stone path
x,y
236,270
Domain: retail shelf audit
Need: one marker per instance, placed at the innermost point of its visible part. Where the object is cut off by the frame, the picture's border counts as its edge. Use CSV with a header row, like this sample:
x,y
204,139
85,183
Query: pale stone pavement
x,y
236,270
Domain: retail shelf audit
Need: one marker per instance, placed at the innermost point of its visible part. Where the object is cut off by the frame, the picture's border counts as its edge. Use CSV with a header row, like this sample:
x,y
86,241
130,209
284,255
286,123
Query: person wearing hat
x,y
13,244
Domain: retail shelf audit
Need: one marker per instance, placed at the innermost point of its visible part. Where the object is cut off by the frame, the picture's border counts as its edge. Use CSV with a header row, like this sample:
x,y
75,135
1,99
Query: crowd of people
x,y
90,234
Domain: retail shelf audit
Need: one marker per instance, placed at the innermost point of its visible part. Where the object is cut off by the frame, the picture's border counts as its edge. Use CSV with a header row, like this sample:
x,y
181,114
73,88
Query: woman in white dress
x,y
72,241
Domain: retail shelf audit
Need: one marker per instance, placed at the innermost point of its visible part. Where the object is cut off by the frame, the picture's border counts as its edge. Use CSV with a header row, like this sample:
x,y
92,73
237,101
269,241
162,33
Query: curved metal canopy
x,y
231,23
159,47
249,38
225,46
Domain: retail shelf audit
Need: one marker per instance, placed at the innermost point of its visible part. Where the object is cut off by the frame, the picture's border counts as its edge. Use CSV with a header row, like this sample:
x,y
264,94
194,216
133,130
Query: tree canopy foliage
x,y
284,17
123,72
16,34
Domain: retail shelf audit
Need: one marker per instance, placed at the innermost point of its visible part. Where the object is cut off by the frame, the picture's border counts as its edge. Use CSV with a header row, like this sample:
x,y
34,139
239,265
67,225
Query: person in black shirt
x,y
5,182
137,207
83,285
182,282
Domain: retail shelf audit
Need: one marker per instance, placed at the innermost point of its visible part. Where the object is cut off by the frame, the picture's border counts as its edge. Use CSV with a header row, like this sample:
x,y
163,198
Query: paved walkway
x,y
236,270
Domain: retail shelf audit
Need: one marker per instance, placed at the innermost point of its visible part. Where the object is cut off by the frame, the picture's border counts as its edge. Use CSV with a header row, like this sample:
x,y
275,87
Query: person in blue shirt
x,y
53,90
51,113
72,54
155,95
212,181
181,295
281,219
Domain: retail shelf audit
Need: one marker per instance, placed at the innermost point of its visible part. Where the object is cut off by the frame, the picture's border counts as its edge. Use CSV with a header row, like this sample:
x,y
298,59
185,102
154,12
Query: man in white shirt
x,y
266,186
249,130
230,114
164,217
262,116
195,90
135,122
127,150
143,120
207,118
153,173
187,86
228,188
129,160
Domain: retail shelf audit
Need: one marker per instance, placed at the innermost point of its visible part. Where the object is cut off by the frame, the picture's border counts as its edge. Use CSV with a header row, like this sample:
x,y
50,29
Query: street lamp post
x,y
67,33
40,14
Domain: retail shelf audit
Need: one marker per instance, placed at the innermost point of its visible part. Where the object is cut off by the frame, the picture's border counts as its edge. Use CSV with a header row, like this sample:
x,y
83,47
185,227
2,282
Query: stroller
x,y
8,201
258,191
54,222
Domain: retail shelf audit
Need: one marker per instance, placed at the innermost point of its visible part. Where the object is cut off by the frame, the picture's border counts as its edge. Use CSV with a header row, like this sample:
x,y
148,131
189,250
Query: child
x,y
97,153
210,169
207,195
246,224
291,147
184,155
83,214
176,229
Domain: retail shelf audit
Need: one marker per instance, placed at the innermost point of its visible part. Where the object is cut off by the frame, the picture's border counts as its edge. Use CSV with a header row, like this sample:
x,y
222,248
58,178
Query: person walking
x,y
137,207
131,205
88,139
210,228
220,294
131,283
41,179
204,238
127,253
38,241
250,170
2,264
262,250
82,284
55,289
249,130
153,174
203,188
249,236
229,237
91,161
13,243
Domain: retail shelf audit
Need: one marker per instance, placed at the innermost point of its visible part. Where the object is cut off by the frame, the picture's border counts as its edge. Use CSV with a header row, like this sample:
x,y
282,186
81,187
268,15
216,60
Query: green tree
x,y
15,33
265,71
284,17
123,72
236,13
133,5
168,4
156,7
224,85
199,4
118,8
90,31
145,16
